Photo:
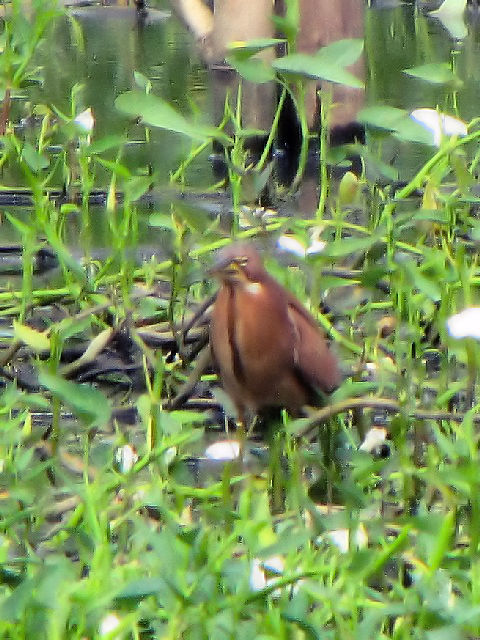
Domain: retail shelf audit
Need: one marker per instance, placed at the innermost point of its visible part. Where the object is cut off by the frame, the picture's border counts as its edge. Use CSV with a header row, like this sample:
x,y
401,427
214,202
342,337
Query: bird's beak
x,y
224,268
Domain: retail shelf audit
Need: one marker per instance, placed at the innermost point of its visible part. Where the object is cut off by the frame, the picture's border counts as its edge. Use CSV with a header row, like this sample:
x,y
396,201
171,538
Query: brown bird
x,y
269,349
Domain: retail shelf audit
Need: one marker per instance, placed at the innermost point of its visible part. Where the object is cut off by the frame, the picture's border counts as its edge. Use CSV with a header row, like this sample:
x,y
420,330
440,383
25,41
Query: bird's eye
x,y
242,261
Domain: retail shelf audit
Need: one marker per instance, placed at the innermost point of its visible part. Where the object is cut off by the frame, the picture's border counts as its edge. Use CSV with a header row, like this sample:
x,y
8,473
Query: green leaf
x,y
64,255
105,144
162,220
23,228
137,186
89,404
250,47
291,539
411,218
382,117
158,113
252,69
372,274
36,340
13,607
316,67
465,179
194,217
376,168
327,64
411,131
397,121
35,160
139,589
72,326
424,284
142,81
342,52
296,427
441,542
434,73
348,246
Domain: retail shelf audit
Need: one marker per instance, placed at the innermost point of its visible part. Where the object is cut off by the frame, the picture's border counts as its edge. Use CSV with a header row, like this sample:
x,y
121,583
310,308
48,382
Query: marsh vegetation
x,y
119,516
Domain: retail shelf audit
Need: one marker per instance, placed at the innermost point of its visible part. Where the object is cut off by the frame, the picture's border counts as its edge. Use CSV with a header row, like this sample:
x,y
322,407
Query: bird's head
x,y
238,262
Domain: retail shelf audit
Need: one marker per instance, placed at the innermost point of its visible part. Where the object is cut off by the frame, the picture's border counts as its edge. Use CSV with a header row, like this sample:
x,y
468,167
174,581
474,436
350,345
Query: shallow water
x,y
117,42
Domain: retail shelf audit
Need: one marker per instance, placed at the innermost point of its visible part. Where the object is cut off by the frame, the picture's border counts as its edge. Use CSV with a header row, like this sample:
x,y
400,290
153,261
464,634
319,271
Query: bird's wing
x,y
315,363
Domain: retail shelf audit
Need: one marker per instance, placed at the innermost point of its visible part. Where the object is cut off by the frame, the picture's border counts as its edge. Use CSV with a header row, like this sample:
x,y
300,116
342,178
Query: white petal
x,y
275,564
169,455
465,324
451,8
291,245
374,438
109,623
316,247
126,457
85,120
439,124
340,538
257,576
223,450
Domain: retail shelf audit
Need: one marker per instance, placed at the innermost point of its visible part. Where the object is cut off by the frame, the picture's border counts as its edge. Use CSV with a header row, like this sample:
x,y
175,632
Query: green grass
x,y
163,551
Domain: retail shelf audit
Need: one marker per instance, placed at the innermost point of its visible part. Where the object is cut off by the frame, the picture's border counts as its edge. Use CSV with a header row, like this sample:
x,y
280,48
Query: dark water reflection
x,y
117,43
401,38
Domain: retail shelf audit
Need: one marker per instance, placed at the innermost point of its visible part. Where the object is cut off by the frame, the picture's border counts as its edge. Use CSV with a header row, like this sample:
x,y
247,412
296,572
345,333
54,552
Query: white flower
x,y
223,450
439,124
465,324
86,120
374,438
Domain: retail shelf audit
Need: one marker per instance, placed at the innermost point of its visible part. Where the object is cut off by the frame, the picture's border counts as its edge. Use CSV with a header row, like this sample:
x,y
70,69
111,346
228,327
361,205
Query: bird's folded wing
x,y
316,364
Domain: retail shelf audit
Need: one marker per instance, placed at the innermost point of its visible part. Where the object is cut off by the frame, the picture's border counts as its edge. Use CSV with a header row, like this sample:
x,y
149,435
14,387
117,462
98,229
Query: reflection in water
x,y
321,22
117,44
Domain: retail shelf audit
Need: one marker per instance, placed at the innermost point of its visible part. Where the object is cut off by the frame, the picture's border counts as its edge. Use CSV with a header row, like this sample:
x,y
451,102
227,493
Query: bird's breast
x,y
253,288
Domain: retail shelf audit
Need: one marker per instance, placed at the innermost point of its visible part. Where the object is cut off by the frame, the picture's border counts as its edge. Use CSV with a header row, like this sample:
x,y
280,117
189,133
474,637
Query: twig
x,y
186,390
322,415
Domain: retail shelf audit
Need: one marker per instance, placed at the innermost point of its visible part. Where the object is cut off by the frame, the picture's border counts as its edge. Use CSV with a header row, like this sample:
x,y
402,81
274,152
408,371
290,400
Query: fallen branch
x,y
316,418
